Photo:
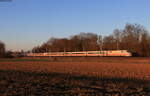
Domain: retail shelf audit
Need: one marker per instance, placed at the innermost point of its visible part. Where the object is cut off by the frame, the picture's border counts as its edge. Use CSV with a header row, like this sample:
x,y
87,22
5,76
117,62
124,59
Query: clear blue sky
x,y
27,23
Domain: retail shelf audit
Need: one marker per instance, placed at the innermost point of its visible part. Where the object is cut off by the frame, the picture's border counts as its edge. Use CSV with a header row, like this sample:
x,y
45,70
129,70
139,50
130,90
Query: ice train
x,y
110,53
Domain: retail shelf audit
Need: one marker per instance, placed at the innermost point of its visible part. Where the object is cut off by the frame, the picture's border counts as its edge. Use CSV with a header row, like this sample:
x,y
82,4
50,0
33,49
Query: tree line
x,y
8,53
2,49
134,38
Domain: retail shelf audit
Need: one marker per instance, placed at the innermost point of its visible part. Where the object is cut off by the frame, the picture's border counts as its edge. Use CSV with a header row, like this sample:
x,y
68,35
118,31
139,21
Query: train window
x,y
102,52
79,53
92,53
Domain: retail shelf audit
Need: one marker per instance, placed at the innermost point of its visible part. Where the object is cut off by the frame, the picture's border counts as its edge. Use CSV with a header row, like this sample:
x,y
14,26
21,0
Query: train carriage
x,y
110,53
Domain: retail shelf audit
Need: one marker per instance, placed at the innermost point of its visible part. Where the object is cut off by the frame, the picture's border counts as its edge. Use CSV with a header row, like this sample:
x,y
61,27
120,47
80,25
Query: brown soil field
x,y
118,67
75,76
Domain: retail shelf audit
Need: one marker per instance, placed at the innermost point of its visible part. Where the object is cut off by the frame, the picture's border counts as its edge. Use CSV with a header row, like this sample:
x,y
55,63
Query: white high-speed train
x,y
124,53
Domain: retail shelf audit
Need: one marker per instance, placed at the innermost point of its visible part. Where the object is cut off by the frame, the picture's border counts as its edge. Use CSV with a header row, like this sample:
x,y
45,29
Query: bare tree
x,y
100,42
117,37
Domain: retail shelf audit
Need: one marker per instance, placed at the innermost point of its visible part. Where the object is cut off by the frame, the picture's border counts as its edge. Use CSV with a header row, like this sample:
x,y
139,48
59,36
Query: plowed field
x,y
115,76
